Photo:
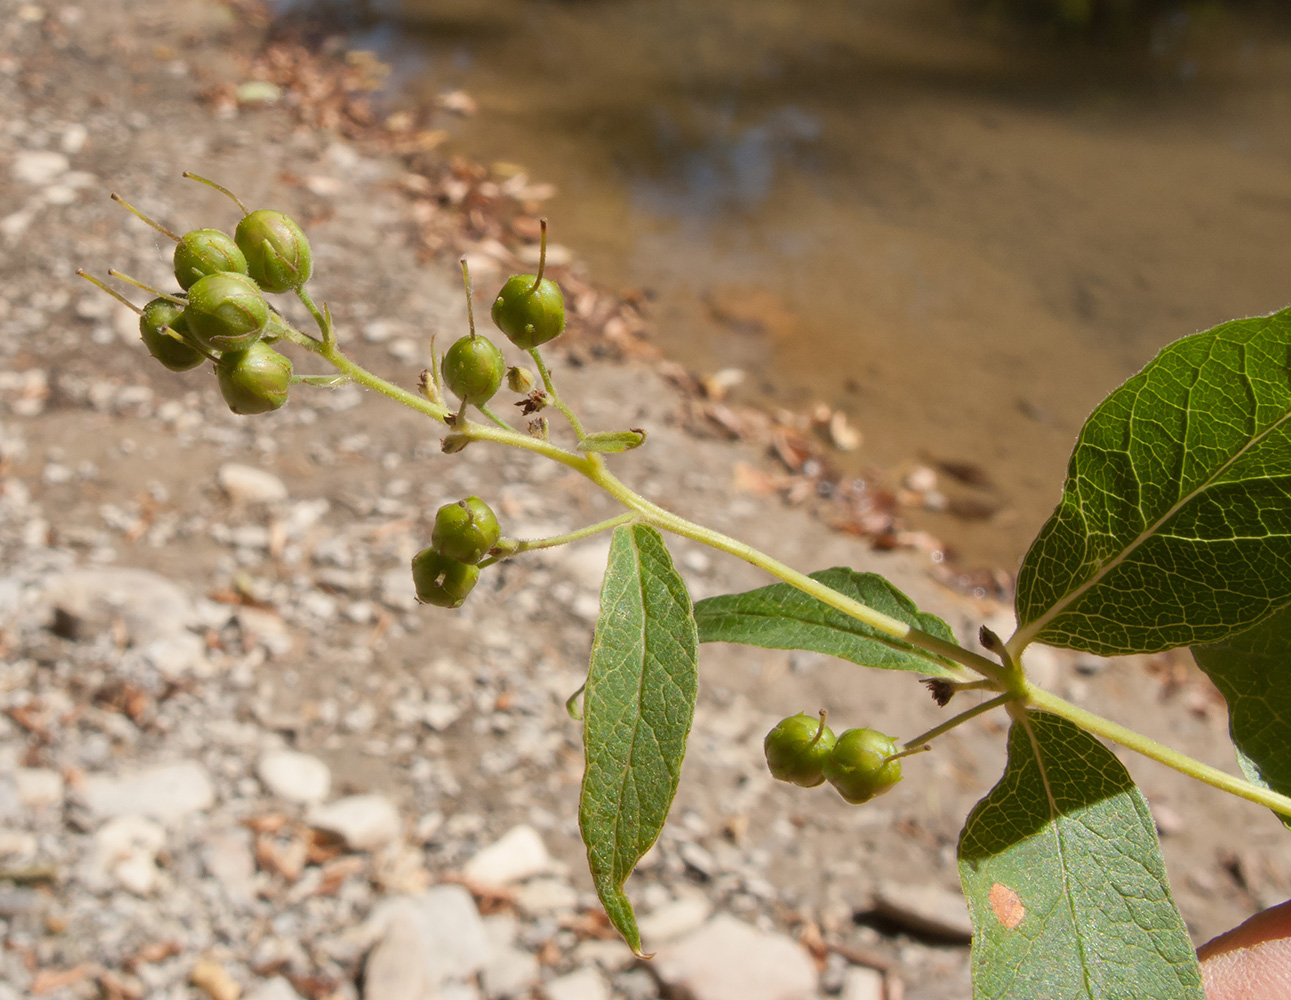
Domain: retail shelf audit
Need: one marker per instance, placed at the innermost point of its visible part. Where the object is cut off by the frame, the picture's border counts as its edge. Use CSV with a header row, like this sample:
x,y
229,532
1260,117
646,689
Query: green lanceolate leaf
x,y
1174,526
1253,670
783,617
637,709
1065,882
612,442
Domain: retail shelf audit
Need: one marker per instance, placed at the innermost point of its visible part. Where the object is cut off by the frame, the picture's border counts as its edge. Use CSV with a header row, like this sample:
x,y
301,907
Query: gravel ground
x,y
237,759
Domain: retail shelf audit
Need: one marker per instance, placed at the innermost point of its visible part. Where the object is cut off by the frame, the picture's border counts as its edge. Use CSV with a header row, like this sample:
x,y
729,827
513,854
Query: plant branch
x,y
1148,747
921,741
556,401
510,547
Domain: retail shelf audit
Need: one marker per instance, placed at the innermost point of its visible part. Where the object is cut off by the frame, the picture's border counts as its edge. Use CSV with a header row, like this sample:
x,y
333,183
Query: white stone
x,y
509,971
16,842
177,656
727,959
364,822
612,954
424,942
674,919
515,856
247,484
39,787
124,852
150,606
546,895
860,983
168,793
276,988
925,909
584,984
228,858
39,167
294,776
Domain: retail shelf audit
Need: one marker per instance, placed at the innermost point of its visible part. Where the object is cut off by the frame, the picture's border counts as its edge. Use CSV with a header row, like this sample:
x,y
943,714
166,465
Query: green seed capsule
x,y
174,354
442,581
797,748
465,530
226,312
473,369
859,767
277,252
256,380
529,316
206,251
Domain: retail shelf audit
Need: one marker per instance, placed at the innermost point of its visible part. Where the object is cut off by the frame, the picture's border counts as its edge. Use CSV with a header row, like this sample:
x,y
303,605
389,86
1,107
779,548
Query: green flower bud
x,y
442,581
472,369
859,767
277,252
520,380
529,316
465,530
797,748
226,312
206,251
255,380
174,354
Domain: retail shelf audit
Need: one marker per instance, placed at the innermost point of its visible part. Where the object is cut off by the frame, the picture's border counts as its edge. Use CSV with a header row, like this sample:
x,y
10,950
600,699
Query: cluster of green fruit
x,y
222,315
446,571
860,764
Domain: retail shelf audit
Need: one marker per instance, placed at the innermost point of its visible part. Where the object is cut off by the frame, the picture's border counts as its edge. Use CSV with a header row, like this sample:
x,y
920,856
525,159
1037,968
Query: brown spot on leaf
x,y
1006,906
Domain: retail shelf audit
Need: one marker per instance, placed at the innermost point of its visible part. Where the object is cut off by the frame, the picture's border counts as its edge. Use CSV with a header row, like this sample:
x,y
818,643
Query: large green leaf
x,y
637,710
783,617
1065,882
1174,526
1253,670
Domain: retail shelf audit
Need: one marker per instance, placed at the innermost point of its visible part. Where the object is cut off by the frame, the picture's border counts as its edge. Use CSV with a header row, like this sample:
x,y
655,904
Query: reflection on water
x,y
962,241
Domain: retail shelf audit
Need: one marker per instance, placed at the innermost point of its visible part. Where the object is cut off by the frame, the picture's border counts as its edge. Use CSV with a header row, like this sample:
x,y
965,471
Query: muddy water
x,y
962,239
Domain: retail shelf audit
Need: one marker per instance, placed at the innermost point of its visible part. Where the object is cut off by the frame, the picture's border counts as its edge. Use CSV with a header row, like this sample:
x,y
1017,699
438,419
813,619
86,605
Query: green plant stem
x,y
529,545
365,378
323,320
920,742
593,467
1132,740
556,401
484,408
667,521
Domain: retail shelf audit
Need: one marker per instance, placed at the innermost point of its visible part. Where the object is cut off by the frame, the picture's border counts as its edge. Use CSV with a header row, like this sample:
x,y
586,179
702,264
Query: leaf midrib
x,y
879,637
1054,816
1024,636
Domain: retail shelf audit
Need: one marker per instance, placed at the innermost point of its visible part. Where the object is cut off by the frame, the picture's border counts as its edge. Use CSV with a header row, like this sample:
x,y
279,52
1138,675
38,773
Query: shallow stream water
x,y
960,236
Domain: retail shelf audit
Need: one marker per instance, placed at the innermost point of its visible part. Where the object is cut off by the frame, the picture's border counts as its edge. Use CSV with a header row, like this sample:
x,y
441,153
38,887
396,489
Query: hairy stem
x,y
920,742
510,548
1132,740
593,467
554,396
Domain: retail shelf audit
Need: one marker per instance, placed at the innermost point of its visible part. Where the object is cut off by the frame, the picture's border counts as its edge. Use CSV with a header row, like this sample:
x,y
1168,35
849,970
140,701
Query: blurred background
x,y
960,223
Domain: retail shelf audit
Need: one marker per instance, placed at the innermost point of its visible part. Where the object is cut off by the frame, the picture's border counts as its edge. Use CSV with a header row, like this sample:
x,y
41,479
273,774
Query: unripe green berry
x,y
174,354
465,530
442,581
256,380
797,748
277,252
859,766
529,316
473,369
206,251
226,312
